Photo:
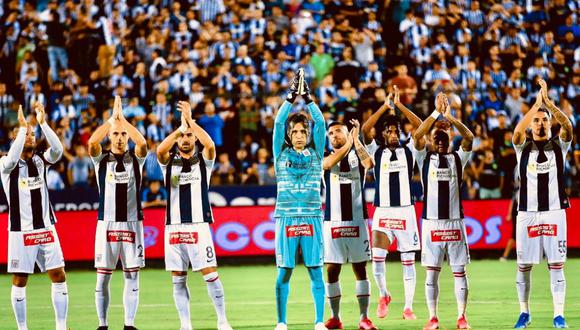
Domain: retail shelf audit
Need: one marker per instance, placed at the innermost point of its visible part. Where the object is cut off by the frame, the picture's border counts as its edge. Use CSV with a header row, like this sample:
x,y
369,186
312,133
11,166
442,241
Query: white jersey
x,y
344,184
442,176
541,171
27,194
187,184
393,172
119,182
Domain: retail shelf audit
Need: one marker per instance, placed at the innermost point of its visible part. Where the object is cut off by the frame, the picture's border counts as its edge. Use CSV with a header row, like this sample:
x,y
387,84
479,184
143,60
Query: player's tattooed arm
x,y
200,133
337,155
11,159
423,129
164,148
372,121
466,134
519,136
566,129
360,149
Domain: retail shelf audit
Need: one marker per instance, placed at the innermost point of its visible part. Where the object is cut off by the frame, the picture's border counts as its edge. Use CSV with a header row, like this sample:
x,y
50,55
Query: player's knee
x,y
57,275
131,274
20,280
333,272
284,275
524,268
360,271
556,266
315,273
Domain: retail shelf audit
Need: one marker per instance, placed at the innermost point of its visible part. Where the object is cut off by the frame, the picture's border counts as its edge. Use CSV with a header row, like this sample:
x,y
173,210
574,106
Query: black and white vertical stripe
x,y
187,185
119,183
393,172
541,172
27,195
344,184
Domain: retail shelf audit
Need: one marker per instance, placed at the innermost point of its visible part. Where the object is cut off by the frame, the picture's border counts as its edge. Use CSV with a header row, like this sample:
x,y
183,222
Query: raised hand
x,y
40,114
539,99
439,101
355,130
446,108
388,100
543,88
21,119
397,99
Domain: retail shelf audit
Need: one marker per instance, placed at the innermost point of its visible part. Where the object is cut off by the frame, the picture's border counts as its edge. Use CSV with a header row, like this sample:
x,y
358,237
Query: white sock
x,y
18,297
409,277
524,284
363,295
216,293
102,294
558,286
131,295
379,270
432,289
461,289
333,292
60,304
181,298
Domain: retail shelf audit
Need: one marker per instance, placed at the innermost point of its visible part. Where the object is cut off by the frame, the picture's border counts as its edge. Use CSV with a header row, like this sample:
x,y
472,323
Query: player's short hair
x,y
392,120
441,125
336,123
546,112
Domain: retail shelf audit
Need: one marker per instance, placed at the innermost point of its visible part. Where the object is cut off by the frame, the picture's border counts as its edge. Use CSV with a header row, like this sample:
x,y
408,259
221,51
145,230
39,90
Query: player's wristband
x,y
182,129
435,114
307,98
111,120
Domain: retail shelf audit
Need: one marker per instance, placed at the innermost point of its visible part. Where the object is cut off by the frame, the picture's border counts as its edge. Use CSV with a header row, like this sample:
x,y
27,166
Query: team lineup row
x,y
338,236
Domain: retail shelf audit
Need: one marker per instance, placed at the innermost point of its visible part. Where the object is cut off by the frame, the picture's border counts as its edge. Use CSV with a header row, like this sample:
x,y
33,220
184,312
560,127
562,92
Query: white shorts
x,y
40,246
539,234
346,241
124,240
444,238
398,223
187,244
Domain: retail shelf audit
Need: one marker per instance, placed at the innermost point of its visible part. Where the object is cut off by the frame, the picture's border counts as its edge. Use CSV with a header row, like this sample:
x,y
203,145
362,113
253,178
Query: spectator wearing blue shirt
x,y
154,195
212,123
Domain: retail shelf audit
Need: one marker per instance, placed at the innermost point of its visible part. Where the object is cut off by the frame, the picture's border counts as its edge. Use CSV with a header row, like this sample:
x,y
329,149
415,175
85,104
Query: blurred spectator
x,y
80,168
154,195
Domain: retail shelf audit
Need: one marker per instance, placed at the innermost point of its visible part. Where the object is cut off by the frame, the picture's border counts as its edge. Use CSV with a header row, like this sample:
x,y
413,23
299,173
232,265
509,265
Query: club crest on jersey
x,y
542,230
299,230
393,224
121,236
541,168
34,182
44,237
118,177
183,238
345,232
441,174
394,166
453,235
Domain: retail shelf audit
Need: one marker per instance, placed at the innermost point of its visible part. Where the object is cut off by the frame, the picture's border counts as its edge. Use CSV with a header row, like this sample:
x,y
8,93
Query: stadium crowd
x,y
233,60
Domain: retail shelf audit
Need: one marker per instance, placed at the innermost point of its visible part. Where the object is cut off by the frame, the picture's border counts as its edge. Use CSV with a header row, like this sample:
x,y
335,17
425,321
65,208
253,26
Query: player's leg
x,y
408,243
528,253
106,256
461,294
18,297
215,290
286,249
409,283
333,292
132,255
59,296
177,261
363,294
555,249
458,256
431,258
313,254
51,259
381,243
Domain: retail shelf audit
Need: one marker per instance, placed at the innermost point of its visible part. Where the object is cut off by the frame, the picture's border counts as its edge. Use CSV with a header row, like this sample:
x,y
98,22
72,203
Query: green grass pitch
x,y
250,299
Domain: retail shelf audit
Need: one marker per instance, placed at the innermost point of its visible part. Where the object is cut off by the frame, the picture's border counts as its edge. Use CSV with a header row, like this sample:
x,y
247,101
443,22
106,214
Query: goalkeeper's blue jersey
x,y
298,174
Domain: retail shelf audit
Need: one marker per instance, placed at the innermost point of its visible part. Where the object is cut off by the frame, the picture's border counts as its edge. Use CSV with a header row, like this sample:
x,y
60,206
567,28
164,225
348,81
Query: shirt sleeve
x,y
419,155
319,129
10,161
209,163
564,145
464,156
280,128
372,147
97,159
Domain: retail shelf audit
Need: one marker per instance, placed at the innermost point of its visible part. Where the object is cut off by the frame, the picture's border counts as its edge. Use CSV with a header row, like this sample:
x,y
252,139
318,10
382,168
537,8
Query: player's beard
x,y
185,150
28,149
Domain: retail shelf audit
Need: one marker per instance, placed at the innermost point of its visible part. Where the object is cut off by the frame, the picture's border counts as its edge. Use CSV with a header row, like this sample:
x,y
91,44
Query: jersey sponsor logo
x,y
540,168
441,174
118,177
542,230
30,183
120,236
183,238
44,237
395,166
345,177
345,232
453,235
393,224
299,230
184,178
